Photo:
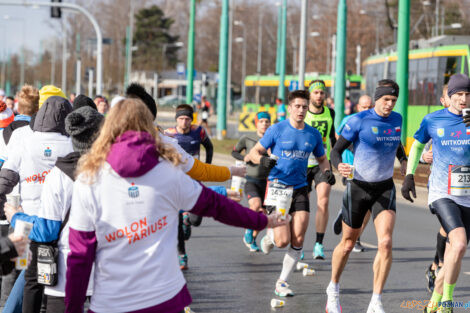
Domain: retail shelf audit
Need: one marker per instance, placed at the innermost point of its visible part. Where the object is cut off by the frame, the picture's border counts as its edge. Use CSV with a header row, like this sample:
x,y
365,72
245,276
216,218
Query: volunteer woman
x,y
131,236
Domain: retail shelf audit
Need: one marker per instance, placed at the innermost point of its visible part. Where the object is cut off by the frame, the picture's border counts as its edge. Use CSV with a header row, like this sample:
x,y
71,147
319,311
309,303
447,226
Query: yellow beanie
x,y
49,91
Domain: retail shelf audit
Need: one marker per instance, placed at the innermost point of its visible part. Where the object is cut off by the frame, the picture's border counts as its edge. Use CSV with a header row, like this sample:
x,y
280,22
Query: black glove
x,y
408,185
267,162
466,119
329,177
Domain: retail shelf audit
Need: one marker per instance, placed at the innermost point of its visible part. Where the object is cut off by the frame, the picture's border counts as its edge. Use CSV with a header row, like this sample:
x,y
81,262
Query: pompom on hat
x,y
6,115
83,125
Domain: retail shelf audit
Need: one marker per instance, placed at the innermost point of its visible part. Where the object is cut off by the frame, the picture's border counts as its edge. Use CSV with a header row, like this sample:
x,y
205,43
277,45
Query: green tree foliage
x,y
152,37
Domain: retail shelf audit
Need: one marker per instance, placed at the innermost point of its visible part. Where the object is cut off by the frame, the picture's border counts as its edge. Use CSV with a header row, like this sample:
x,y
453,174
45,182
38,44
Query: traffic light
x,y
56,12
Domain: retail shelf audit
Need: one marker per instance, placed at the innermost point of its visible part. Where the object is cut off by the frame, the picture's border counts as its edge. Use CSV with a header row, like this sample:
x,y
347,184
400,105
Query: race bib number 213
x,y
459,180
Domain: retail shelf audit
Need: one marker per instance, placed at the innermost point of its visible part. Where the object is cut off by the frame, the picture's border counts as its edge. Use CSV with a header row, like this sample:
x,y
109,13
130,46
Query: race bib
x,y
279,191
458,180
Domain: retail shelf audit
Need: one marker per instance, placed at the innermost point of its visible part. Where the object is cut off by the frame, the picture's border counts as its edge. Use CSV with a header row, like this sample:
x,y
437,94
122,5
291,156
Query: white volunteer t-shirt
x,y
186,158
56,200
136,225
32,157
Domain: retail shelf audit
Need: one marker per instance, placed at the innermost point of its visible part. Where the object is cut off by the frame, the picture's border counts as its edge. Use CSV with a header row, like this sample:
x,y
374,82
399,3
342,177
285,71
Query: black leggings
x,y
33,291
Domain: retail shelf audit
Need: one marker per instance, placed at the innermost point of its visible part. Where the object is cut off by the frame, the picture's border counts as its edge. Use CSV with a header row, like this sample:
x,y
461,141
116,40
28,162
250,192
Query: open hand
x,y
234,195
274,220
238,170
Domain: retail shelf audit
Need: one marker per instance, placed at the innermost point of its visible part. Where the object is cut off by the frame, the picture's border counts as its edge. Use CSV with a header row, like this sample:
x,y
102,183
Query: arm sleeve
x,y
227,211
401,155
79,264
44,230
335,155
332,131
207,172
415,154
238,148
206,142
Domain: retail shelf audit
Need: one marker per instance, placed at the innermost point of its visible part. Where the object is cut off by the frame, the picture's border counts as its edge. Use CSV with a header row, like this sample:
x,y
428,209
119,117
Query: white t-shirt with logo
x,y
56,200
33,156
135,221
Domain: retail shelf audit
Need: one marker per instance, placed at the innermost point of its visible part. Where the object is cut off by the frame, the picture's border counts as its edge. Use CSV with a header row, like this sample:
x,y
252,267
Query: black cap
x,y
137,91
82,101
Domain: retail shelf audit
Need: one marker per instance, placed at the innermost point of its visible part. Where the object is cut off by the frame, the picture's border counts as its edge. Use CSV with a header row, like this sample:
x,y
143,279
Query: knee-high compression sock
x,y
290,259
447,294
434,302
320,237
441,247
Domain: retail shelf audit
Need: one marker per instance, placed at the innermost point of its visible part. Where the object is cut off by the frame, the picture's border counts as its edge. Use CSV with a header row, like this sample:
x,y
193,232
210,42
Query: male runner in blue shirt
x,y
291,141
375,135
449,183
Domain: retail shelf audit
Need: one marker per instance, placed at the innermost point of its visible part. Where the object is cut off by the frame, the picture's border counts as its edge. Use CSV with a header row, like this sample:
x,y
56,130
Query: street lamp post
x,y
191,36
303,44
242,85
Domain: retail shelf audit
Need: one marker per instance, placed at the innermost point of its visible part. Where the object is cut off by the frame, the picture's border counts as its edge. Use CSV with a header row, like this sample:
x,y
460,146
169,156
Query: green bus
x,y
430,68
268,86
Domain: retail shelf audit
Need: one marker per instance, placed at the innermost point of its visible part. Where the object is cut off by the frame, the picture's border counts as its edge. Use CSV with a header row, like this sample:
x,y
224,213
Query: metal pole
x,y
437,19
260,48
22,67
73,6
222,87
281,92
303,44
376,34
278,42
128,53
402,63
64,58
78,77
191,35
358,59
340,77
8,83
229,61
53,58
90,83
129,38
78,73
243,65
155,86
328,54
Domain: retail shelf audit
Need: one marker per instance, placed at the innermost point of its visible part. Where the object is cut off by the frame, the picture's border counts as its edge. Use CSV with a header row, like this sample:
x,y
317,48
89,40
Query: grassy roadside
x,y
224,146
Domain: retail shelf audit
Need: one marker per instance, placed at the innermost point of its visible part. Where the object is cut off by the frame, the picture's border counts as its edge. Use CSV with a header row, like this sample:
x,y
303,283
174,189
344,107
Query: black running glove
x,y
408,185
267,162
466,119
329,177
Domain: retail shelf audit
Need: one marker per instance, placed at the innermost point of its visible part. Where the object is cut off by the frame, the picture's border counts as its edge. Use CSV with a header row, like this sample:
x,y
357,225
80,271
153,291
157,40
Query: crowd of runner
x,y
103,187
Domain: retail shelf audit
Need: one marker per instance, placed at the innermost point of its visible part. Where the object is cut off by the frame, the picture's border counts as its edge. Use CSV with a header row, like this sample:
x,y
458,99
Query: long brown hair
x,y
128,114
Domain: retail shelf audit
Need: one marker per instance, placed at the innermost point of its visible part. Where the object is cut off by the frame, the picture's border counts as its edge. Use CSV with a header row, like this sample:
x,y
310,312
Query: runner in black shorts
x,y
449,184
375,135
291,142
256,175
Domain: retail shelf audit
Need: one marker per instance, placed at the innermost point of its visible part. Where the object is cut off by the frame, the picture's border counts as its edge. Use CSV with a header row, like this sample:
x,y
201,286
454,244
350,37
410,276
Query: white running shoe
x,y
282,289
376,307
332,304
266,244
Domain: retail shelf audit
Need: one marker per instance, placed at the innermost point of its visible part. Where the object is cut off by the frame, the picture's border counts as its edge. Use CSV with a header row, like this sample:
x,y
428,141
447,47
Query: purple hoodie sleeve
x,y
227,211
79,264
